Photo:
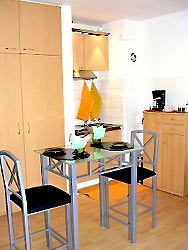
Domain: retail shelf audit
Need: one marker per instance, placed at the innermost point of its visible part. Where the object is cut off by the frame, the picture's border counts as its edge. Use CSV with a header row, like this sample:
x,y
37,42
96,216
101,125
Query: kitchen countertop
x,y
86,129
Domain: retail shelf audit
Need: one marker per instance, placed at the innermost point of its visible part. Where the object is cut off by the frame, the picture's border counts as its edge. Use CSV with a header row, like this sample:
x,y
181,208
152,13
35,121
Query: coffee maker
x,y
158,99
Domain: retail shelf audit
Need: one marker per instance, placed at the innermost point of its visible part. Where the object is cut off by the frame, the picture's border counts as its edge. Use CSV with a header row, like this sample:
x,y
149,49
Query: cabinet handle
x,y
28,125
6,48
13,48
31,49
19,129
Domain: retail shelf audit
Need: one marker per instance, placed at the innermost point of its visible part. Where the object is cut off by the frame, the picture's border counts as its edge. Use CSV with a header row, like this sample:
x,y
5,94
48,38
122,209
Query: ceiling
x,y
96,12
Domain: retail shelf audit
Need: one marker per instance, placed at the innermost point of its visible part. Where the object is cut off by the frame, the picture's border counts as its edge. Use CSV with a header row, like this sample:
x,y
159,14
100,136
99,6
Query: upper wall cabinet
x,y
90,52
96,52
9,26
40,29
78,51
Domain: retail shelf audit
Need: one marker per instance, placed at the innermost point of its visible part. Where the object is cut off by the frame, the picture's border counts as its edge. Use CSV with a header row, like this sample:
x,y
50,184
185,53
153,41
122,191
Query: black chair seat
x,y
124,175
41,198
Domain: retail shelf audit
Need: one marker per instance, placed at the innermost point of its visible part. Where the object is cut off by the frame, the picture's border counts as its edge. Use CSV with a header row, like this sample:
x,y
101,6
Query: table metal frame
x,y
106,161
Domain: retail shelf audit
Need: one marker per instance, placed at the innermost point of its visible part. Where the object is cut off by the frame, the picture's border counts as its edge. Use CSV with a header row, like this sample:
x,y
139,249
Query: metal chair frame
x,y
13,184
145,158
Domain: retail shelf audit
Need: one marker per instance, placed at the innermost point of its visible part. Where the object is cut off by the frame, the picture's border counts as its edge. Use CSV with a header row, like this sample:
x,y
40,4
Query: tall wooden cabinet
x,y
31,93
173,150
90,52
42,108
11,123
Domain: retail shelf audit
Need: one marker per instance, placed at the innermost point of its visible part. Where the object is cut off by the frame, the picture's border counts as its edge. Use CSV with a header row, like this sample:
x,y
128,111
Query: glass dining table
x,y
99,160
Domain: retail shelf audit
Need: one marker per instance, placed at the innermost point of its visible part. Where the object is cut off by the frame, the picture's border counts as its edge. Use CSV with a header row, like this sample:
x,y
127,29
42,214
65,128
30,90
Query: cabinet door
x,y
78,51
173,163
115,135
153,122
11,132
42,108
96,52
9,26
40,29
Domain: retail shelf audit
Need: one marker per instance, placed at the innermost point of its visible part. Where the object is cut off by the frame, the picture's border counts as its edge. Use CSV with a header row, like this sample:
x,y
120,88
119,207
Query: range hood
x,y
83,75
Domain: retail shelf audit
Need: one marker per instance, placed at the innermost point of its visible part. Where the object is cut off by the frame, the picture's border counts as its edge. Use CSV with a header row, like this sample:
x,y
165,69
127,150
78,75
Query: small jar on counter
x,y
186,107
182,108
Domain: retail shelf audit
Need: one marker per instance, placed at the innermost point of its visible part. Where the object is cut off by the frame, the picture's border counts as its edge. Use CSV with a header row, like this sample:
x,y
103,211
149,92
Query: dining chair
x,y
146,168
32,201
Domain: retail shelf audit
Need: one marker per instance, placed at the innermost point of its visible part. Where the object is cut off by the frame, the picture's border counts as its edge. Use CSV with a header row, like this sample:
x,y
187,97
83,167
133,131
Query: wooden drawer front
x,y
173,129
174,119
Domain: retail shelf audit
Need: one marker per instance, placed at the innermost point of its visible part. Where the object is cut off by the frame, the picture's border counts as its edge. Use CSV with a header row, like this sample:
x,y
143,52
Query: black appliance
x,y
158,99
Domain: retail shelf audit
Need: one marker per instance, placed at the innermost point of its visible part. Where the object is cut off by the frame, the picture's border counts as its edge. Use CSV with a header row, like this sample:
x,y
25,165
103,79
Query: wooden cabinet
x,y
114,135
40,29
31,92
78,51
30,28
153,122
31,111
9,26
96,52
42,92
90,52
173,150
11,124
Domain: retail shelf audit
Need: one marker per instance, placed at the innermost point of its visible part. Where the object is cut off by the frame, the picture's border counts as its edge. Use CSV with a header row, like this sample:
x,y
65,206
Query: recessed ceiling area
x,y
96,12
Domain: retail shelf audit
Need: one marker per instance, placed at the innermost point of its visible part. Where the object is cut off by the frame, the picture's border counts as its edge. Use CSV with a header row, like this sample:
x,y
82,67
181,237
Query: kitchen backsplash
x,y
111,92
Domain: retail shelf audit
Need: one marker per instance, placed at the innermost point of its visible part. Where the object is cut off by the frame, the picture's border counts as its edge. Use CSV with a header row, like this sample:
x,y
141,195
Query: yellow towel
x,y
97,102
86,104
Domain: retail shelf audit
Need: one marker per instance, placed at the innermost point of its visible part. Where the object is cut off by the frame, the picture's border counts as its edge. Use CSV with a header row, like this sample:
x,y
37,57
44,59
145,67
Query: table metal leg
x,y
103,201
74,205
129,213
133,197
44,171
102,194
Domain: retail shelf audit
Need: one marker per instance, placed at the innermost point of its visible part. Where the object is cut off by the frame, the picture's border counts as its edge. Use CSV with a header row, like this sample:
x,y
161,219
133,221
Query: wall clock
x,y
133,57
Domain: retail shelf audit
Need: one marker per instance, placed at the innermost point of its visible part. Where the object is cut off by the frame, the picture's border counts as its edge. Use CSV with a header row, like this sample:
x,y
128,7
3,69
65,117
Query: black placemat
x,y
113,146
56,153
65,154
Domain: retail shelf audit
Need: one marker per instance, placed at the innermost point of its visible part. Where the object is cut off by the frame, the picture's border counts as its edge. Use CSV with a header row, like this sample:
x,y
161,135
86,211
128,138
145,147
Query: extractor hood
x,y
83,75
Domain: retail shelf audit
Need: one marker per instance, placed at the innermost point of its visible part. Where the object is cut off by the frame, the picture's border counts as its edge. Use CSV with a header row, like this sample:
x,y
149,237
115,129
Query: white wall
x,y
164,52
123,41
161,45
67,65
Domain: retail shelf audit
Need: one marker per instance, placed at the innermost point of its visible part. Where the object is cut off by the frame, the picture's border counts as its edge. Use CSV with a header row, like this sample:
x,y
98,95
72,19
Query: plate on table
x,y
120,145
54,152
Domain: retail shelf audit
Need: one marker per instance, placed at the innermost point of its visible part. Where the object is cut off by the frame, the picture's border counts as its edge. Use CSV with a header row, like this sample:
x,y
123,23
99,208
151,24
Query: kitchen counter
x,y
86,129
